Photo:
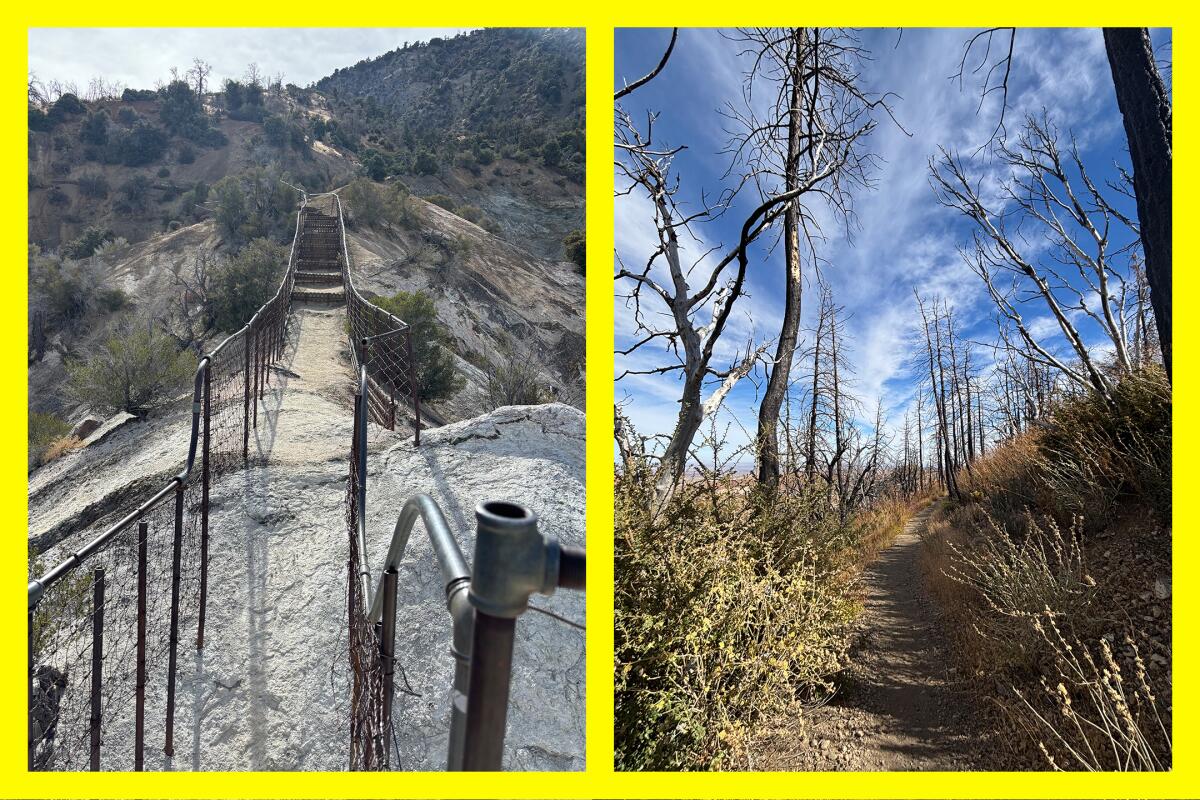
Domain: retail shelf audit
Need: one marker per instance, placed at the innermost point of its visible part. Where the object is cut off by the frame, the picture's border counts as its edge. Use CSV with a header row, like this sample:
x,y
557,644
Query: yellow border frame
x,y
599,16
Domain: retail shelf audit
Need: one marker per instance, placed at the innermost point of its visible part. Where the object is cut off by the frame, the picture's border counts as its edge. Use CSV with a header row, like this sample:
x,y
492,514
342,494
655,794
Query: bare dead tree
x,y
847,442
687,322
994,72
38,96
1140,319
652,74
198,75
45,93
807,143
930,323
186,315
254,75
1145,104
1023,390
920,439
810,451
1080,227
101,89
1146,111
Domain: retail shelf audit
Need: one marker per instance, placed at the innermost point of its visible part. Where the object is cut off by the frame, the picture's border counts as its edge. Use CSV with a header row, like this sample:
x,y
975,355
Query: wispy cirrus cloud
x,y
902,239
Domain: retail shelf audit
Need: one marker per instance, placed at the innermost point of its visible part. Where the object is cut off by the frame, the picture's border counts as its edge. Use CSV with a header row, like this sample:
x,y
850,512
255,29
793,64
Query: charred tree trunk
x,y
920,446
810,456
768,413
1146,111
839,445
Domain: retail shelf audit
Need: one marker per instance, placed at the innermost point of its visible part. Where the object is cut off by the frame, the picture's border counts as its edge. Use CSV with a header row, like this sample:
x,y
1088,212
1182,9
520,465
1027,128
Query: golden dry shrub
x,y
1018,575
1100,456
1040,601
724,610
1091,458
1008,480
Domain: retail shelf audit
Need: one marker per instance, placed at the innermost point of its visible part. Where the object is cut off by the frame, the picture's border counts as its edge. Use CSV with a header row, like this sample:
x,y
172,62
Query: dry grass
x,y
1018,575
1097,710
60,447
1061,551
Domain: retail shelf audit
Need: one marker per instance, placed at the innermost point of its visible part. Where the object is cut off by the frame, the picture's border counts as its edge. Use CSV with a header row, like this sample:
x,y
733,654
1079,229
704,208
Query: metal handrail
x,y
445,546
38,586
381,603
358,348
351,288
512,562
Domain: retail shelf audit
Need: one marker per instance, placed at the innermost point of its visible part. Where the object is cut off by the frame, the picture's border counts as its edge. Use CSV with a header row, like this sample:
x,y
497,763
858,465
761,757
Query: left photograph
x,y
306,387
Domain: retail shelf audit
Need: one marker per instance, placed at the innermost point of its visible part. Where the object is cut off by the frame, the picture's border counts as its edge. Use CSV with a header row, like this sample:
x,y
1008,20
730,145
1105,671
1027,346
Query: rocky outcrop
x,y
270,690
490,295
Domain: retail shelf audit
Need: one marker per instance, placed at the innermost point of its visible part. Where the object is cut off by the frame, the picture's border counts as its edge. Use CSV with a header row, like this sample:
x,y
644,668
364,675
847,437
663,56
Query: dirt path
x,y
902,706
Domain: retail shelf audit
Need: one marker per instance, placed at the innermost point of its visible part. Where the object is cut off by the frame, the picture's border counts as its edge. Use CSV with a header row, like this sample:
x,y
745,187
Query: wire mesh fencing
x,y
107,623
368,739
383,342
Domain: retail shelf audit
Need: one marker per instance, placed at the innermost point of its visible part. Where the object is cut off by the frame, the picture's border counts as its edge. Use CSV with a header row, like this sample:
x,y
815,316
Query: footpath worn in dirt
x,y
902,705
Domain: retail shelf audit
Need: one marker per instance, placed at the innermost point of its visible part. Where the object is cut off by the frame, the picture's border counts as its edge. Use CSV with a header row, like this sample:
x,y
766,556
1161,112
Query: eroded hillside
x,y
490,295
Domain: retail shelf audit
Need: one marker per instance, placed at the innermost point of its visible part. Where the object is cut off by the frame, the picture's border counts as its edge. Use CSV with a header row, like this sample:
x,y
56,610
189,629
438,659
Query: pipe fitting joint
x,y
512,559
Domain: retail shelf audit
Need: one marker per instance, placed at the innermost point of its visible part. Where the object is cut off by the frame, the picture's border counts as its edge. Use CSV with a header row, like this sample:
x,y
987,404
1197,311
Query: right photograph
x,y
893,407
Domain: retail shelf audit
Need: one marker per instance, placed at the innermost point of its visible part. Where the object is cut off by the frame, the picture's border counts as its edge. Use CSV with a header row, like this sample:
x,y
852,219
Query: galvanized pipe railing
x,y
512,562
199,437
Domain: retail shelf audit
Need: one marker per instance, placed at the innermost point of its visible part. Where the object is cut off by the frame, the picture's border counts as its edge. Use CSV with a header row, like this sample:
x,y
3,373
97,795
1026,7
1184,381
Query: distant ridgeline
x,y
515,93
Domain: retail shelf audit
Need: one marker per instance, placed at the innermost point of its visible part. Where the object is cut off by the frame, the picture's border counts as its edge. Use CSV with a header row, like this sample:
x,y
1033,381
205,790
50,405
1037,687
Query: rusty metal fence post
x,y
268,350
246,410
257,361
33,733
387,658
176,556
139,712
204,478
412,385
97,662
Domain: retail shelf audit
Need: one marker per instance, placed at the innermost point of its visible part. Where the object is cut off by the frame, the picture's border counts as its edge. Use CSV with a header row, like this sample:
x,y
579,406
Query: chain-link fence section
x,y
381,342
106,624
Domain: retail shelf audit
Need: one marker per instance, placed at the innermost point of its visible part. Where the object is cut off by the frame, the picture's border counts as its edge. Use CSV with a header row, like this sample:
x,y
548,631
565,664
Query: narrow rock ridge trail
x,y
270,691
902,705
270,688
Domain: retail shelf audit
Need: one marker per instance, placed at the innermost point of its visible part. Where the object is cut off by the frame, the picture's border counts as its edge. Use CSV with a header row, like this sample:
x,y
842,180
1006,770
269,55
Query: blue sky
x,y
903,237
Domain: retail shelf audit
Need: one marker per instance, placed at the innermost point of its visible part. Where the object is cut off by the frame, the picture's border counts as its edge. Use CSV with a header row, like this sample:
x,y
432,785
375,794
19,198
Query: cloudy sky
x,y
137,57
903,239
